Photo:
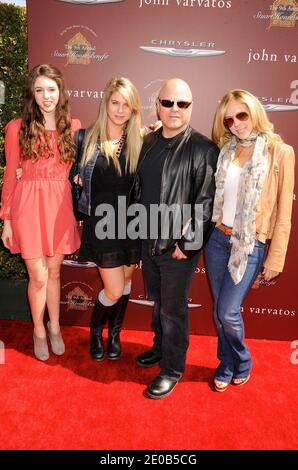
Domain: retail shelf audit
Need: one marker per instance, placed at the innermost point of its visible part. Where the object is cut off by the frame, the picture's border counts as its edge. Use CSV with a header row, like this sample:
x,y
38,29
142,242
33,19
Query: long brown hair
x,y
34,140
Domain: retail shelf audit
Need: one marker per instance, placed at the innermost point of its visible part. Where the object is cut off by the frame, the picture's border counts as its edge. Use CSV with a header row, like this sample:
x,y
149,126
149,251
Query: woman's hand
x,y
178,254
78,180
6,236
268,274
19,173
155,126
152,128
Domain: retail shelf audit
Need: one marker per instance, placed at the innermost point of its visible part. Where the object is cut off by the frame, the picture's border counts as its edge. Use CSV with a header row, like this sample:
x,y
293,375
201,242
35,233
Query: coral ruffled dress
x,y
39,205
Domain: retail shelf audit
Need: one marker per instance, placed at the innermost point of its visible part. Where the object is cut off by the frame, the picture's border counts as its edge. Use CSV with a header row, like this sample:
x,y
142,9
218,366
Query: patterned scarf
x,y
249,191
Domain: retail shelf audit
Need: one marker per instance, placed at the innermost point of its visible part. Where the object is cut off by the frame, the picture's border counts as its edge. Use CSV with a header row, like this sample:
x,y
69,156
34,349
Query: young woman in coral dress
x,y
37,210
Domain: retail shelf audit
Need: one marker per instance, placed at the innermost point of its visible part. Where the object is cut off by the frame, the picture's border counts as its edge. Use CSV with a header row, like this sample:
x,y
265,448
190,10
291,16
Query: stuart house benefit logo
x,y
182,48
280,13
284,13
78,49
77,297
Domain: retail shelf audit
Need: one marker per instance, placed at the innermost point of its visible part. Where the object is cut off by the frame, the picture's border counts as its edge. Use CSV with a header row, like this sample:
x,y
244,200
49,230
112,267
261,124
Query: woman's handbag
x,y
76,187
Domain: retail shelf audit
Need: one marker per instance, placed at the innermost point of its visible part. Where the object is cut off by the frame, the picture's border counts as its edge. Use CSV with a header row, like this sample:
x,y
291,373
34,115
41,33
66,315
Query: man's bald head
x,y
174,118
175,85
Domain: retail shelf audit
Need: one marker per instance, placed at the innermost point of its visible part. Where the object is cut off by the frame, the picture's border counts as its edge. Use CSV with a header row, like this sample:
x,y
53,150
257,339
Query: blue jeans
x,y
168,282
234,356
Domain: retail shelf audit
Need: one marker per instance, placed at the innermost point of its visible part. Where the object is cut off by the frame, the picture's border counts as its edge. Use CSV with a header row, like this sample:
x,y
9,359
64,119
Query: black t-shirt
x,y
150,173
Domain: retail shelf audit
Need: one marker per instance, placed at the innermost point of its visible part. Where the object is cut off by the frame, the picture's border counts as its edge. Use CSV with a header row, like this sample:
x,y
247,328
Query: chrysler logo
x,y
172,51
279,107
150,303
79,264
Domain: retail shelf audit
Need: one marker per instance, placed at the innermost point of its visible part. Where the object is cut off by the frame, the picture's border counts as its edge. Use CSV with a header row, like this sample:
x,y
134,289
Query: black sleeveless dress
x,y
116,249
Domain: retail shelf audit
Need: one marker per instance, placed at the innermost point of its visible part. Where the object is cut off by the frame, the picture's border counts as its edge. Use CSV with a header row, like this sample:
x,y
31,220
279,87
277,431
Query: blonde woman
x,y
253,204
111,150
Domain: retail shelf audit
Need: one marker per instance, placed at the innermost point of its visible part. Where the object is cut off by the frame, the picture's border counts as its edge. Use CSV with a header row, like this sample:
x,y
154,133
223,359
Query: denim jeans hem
x,y
233,353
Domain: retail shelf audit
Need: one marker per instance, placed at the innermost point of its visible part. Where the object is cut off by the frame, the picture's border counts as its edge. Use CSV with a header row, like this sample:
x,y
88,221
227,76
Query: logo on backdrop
x,y
272,104
267,55
79,48
187,3
86,94
149,98
284,13
280,107
72,260
260,282
91,2
281,13
270,311
182,48
149,303
78,296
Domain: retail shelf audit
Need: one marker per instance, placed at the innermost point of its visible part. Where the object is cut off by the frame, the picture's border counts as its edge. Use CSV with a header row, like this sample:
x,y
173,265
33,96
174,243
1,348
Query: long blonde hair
x,y
221,135
98,132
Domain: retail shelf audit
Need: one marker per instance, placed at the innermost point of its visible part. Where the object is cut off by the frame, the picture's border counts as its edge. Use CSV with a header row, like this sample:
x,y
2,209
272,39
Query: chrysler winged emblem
x,y
150,303
172,51
280,107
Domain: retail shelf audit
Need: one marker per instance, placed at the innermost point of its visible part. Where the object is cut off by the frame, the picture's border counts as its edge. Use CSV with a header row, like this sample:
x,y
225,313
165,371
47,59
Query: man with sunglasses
x,y
176,169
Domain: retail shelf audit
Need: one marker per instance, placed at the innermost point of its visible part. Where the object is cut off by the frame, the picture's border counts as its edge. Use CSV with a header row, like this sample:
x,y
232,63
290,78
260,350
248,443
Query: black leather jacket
x,y
187,178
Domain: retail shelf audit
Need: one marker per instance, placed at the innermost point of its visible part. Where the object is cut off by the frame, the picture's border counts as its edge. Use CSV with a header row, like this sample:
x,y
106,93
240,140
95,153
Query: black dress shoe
x,y
148,359
161,387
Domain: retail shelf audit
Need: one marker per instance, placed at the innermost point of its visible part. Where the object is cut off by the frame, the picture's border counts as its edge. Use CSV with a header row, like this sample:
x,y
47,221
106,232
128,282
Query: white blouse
x,y
230,194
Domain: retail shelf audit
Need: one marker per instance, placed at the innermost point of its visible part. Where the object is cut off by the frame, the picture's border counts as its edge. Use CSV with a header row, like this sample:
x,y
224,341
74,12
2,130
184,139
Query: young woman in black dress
x,y
111,150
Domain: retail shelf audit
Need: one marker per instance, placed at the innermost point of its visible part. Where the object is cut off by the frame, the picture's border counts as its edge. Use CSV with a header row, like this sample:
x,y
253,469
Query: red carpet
x,y
73,402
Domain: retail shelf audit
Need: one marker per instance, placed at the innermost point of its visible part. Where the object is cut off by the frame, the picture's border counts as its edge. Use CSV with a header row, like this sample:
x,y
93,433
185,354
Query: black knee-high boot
x,y
97,323
115,323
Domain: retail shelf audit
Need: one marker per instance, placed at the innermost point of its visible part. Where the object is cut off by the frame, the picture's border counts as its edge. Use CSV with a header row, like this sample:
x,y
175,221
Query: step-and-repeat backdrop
x,y
214,45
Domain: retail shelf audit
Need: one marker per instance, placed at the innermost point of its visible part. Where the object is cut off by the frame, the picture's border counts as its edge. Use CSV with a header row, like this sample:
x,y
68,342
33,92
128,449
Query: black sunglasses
x,y
170,103
229,122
